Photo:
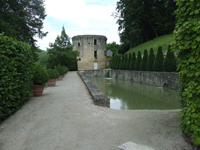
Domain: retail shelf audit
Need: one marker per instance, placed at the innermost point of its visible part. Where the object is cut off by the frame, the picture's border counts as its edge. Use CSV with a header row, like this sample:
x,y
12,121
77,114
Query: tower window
x,y
95,42
79,44
95,54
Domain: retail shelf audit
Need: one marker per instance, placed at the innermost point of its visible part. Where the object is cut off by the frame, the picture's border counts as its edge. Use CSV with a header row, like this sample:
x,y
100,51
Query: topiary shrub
x,y
186,44
118,61
169,64
132,63
60,70
66,69
138,61
40,75
121,62
128,61
125,62
144,61
158,62
16,75
52,73
150,60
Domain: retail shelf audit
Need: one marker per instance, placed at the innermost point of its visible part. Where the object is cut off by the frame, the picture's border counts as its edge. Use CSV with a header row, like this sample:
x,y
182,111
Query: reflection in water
x,y
132,95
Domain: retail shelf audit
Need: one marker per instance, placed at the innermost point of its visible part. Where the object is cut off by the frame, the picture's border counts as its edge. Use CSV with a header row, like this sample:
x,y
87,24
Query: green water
x,y
136,96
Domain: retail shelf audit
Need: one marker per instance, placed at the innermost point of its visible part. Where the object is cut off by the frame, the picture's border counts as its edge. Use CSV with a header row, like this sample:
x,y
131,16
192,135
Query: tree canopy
x,y
140,21
23,20
114,47
61,51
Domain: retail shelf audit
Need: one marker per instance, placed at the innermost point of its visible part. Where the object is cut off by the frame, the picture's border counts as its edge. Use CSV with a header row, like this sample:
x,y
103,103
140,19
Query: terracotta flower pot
x,y
37,90
60,77
51,82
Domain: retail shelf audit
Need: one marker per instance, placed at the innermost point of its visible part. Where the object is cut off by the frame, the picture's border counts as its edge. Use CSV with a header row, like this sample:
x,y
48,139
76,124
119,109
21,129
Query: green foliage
x,y
73,67
187,46
138,62
150,60
66,69
117,65
145,20
125,62
16,73
114,61
121,62
132,63
23,20
169,64
40,75
144,61
128,61
158,61
60,52
60,70
43,60
114,47
52,73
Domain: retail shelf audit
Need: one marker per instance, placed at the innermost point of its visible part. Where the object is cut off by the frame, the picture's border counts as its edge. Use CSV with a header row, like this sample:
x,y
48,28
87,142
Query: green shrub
x,y
138,61
66,69
125,62
187,46
128,61
118,61
40,75
121,62
150,60
169,64
16,74
60,70
52,73
113,62
144,61
132,63
158,61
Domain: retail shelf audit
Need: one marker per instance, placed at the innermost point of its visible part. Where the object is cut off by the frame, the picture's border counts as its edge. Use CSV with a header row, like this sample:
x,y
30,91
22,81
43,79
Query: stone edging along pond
x,y
99,98
169,79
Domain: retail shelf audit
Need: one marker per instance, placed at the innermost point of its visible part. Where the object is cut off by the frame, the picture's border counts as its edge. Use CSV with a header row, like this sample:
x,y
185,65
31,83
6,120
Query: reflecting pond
x,y
136,96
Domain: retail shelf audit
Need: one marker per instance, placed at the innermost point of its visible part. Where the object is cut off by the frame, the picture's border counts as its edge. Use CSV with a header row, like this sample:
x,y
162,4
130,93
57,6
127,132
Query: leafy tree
x,y
23,21
140,21
114,47
158,61
150,60
138,62
169,63
60,52
43,60
132,63
187,46
144,61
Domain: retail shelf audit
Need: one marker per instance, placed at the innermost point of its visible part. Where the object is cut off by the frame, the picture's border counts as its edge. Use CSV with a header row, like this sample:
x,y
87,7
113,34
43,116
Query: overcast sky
x,y
79,17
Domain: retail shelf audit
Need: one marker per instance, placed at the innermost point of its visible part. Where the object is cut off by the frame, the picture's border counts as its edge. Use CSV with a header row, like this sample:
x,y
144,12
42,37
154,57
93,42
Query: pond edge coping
x,y
98,97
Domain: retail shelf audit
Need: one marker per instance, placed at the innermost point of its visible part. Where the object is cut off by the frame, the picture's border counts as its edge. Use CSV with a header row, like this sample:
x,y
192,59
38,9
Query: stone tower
x,y
92,50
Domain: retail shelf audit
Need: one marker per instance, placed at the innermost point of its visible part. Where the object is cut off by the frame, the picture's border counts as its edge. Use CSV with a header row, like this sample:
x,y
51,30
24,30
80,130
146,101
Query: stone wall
x,y
169,79
99,98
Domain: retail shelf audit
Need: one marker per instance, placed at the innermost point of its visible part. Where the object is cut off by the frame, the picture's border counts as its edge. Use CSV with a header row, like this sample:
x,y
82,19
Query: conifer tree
x,y
125,62
169,63
158,62
150,60
144,61
129,61
121,62
138,61
118,62
132,63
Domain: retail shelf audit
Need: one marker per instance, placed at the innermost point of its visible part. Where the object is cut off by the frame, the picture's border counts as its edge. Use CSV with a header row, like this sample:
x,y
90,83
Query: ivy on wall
x,y
187,45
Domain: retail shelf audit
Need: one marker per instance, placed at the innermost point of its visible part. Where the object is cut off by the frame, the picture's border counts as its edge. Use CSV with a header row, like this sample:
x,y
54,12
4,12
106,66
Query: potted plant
x,y
40,77
53,75
61,72
66,69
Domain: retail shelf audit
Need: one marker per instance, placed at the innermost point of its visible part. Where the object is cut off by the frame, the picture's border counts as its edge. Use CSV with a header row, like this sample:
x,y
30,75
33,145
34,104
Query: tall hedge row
x,y
150,60
144,61
158,62
138,61
16,73
186,44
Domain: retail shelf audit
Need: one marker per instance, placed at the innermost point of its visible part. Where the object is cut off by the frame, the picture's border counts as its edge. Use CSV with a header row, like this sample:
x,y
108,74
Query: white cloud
x,y
79,17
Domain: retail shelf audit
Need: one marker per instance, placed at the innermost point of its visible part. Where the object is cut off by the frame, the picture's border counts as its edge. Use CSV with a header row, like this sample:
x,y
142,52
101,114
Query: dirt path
x,y
64,118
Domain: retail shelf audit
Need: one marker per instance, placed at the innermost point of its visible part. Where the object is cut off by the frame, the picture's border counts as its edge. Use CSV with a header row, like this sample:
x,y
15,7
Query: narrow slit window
x,y
95,42
95,54
79,44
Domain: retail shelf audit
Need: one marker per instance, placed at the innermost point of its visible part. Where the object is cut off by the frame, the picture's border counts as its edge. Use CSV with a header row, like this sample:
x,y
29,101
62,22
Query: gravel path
x,y
65,118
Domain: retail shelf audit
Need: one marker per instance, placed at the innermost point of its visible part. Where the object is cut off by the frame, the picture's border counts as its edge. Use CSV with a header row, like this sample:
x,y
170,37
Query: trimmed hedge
x,y
144,61
138,62
150,60
169,64
60,70
16,74
132,63
158,62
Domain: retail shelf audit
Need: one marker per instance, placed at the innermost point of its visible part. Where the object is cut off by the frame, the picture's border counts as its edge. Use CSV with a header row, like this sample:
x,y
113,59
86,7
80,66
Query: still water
x,y
136,96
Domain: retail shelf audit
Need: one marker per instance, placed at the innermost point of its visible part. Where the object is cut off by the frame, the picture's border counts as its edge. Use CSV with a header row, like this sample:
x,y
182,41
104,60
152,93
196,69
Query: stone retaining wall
x,y
169,79
99,98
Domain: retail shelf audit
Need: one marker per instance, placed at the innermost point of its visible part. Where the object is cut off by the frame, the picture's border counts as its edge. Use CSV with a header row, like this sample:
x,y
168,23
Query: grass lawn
x,y
163,41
